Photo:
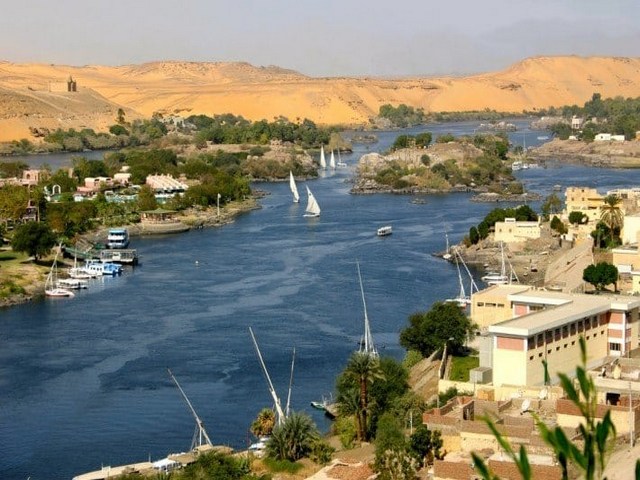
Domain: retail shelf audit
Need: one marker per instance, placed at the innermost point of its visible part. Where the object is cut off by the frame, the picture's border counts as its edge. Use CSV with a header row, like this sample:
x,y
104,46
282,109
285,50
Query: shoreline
x,y
203,218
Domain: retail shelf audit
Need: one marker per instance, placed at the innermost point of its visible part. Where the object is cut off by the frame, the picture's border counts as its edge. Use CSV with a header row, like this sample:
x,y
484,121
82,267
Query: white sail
x,y
313,209
323,162
366,344
340,162
332,161
294,189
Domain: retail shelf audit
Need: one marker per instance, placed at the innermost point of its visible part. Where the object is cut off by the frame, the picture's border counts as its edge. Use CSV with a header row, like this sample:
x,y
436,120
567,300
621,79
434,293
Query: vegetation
x,y
551,205
33,238
588,456
429,331
612,217
619,116
402,116
294,439
523,213
264,423
558,225
600,275
460,366
577,218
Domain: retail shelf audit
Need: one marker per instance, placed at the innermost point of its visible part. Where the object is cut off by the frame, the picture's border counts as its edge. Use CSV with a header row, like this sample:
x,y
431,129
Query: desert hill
x,y
186,88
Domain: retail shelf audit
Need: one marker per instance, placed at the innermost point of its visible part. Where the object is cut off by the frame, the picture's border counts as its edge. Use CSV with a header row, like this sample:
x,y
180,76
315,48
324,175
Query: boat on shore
x,y
51,286
384,231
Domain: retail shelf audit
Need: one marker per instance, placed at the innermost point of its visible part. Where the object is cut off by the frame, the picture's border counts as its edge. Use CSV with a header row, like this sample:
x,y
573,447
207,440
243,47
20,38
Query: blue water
x,y
83,381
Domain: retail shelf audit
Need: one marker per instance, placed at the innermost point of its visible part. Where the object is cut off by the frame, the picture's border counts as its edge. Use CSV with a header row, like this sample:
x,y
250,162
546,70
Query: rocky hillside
x,y
186,88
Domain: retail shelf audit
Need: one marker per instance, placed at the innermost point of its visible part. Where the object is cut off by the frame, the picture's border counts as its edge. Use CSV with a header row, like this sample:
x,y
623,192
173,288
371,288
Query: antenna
x,y
293,359
280,416
200,434
366,346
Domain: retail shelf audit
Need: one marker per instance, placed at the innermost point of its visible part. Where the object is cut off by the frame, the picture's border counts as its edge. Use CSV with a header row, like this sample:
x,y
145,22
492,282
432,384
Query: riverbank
x,y
595,154
29,277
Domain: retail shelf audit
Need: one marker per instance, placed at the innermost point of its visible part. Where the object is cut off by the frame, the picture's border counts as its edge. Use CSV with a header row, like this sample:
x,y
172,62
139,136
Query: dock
x,y
128,256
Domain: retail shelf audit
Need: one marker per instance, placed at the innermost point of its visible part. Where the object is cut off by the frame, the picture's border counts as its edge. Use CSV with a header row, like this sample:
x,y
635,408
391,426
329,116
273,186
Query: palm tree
x,y
349,404
293,439
264,423
611,214
363,369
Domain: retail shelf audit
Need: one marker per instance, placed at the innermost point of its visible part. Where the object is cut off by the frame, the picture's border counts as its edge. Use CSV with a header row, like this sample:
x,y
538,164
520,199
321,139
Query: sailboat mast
x,y
279,413
293,359
201,433
367,344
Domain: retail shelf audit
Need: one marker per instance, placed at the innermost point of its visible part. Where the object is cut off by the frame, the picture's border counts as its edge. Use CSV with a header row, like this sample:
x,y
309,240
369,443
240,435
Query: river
x,y
83,381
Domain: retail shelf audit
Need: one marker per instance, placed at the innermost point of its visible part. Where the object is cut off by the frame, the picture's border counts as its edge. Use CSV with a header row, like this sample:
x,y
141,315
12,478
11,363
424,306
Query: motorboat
x,y
72,283
118,238
100,268
384,231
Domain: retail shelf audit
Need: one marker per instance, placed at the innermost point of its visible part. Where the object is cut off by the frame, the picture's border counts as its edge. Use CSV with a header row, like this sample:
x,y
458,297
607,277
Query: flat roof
x,y
572,307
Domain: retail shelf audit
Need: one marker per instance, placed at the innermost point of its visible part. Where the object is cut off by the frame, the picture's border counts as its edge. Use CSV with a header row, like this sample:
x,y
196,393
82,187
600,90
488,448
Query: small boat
x,y
384,231
447,253
418,201
319,405
543,137
293,187
517,165
99,268
118,238
313,209
51,288
323,162
72,283
332,161
340,162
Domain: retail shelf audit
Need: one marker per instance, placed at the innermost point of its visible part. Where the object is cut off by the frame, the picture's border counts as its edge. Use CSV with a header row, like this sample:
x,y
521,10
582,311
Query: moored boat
x,y
118,238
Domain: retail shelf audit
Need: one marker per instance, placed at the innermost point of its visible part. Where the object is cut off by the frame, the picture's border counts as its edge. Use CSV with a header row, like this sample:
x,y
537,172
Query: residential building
x,y
584,199
576,122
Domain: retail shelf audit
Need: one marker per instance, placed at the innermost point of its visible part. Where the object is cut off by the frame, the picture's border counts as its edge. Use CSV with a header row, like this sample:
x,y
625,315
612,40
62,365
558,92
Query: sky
x,y
319,37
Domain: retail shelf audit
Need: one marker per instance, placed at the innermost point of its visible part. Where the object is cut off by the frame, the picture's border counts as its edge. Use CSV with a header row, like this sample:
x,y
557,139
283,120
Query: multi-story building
x,y
512,231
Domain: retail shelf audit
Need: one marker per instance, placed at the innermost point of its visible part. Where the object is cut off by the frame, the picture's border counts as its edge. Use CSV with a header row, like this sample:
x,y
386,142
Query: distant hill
x,y
186,88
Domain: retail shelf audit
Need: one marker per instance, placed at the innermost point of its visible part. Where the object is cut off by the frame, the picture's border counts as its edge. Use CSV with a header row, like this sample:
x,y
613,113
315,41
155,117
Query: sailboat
x,y
200,436
447,253
313,209
494,278
332,161
366,344
463,300
294,189
340,162
51,288
323,162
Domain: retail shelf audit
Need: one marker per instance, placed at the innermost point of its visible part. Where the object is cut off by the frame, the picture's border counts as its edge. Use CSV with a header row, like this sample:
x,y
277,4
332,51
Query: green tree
x,y
474,236
611,215
389,437
557,225
362,370
264,423
294,439
120,118
551,205
577,218
401,141
429,331
33,238
425,445
601,275
423,139
147,199
14,200
118,130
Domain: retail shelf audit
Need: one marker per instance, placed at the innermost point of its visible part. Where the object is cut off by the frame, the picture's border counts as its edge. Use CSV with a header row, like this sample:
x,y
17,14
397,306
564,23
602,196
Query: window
x,y
558,348
530,357
540,355
615,347
565,345
480,304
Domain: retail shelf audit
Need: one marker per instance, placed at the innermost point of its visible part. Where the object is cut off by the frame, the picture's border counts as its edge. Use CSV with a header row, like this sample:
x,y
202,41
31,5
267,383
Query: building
x,y
584,199
607,137
512,231
546,326
165,184
61,87
576,122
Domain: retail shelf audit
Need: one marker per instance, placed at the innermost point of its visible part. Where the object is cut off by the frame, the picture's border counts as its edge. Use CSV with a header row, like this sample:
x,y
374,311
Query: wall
x,y
508,367
489,307
460,470
508,470
513,232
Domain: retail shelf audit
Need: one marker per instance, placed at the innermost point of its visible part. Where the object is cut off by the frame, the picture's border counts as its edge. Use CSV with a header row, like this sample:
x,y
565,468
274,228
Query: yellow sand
x,y
186,88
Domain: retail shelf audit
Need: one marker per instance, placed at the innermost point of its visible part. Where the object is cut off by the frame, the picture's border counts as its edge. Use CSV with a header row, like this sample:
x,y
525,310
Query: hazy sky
x,y
318,37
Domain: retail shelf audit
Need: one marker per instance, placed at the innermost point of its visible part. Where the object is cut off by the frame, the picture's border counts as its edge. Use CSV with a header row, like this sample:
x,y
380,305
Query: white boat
x,y
501,278
99,268
313,209
51,288
384,231
72,283
463,300
340,162
517,165
447,253
323,162
366,343
332,161
118,238
543,137
79,273
294,188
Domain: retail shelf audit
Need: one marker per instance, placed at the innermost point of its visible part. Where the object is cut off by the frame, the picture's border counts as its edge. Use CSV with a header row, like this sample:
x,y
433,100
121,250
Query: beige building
x,y
545,326
585,200
512,231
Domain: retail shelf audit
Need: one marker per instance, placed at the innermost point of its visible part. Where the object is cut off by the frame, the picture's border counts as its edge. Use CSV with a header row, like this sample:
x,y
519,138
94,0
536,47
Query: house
x,y
512,231
576,122
586,200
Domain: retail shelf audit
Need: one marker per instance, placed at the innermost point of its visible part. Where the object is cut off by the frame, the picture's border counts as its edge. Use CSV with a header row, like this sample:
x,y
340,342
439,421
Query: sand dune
x,y
186,88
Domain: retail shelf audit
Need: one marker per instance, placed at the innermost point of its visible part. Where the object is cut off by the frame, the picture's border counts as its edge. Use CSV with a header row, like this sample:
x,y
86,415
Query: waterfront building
x,y
584,199
512,231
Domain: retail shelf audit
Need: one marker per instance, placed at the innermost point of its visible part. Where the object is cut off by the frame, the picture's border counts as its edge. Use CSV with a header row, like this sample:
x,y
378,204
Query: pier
x,y
128,256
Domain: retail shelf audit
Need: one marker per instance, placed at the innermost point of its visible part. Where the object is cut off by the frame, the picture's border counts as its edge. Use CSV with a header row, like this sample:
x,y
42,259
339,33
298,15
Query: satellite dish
x,y
543,394
525,406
